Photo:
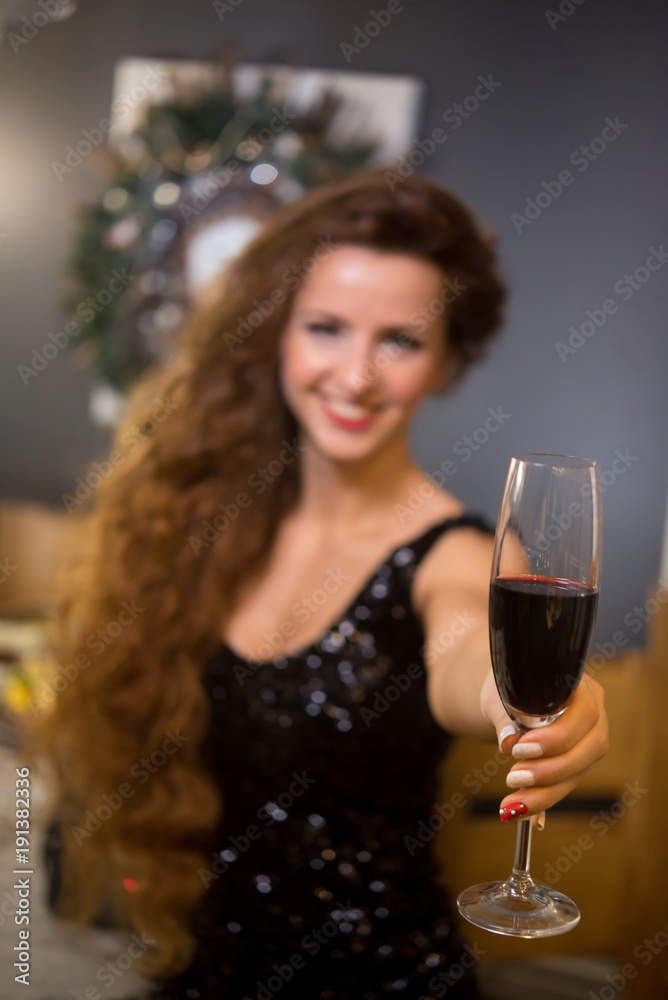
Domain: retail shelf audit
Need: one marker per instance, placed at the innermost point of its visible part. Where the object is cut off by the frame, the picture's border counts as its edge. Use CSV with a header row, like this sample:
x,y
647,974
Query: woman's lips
x,y
348,415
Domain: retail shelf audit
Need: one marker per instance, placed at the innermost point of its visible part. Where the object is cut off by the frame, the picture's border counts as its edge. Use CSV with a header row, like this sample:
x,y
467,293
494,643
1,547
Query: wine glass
x,y
542,608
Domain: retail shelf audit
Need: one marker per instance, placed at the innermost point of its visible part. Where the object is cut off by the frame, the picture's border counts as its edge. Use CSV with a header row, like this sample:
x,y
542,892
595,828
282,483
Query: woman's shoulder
x,y
460,554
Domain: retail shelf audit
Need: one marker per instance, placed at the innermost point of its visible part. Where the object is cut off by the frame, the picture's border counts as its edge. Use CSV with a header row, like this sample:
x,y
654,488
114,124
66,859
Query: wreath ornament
x,y
191,184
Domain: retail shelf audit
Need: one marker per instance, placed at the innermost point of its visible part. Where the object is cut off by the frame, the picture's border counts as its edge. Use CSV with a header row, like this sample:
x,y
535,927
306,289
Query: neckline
x,y
296,654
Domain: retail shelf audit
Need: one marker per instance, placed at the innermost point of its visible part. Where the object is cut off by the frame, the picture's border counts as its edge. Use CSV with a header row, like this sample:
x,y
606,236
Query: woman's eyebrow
x,y
324,314
320,313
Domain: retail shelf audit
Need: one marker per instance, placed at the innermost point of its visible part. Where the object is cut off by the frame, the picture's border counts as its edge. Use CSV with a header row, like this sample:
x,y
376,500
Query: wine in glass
x,y
543,598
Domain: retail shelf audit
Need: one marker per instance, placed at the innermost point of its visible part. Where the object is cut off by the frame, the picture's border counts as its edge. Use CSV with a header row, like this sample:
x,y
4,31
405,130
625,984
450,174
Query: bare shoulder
x,y
457,563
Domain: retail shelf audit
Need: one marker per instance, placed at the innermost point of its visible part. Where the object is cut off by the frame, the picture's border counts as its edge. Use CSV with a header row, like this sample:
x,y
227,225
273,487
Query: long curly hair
x,y
169,533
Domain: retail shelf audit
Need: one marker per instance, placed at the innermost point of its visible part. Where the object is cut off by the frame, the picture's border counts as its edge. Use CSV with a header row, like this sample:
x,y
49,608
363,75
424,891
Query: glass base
x,y
532,913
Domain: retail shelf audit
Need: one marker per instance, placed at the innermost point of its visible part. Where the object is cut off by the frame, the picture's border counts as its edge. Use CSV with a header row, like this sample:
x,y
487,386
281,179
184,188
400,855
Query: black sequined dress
x,y
328,762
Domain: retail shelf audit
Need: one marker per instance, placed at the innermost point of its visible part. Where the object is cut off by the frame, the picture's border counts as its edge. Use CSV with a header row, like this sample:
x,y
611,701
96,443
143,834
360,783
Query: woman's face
x,y
364,343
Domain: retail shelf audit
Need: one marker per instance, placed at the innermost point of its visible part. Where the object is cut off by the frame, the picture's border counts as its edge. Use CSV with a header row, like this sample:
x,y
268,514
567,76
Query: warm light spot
x,y
130,884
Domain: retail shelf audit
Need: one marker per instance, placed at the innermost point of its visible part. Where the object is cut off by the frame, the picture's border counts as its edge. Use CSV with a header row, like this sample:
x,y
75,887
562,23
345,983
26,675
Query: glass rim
x,y
572,461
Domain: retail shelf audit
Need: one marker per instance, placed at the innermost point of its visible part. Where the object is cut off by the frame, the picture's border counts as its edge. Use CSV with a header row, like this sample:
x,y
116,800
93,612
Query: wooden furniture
x,y
34,541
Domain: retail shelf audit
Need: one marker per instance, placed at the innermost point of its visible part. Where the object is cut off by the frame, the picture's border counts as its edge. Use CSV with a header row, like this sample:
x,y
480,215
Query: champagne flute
x,y
543,598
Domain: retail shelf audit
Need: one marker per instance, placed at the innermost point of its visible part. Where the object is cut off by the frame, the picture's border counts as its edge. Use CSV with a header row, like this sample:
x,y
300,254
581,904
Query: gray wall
x,y
557,86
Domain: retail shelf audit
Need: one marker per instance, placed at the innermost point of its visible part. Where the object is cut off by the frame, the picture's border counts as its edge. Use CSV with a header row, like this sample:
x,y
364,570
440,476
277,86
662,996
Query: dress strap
x,y
421,545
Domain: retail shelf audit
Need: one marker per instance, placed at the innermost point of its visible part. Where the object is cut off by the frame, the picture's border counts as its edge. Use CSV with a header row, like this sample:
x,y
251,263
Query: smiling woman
x,y
270,647
353,357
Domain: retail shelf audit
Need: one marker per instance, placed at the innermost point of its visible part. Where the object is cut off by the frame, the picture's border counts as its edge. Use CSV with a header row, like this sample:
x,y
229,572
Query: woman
x,y
272,709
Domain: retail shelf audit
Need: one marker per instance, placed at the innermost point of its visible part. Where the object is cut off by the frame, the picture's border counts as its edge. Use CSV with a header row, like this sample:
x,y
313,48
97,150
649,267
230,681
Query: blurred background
x,y
550,122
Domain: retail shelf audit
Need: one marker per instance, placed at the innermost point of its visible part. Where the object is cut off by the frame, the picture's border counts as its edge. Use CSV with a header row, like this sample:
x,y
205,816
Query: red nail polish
x,y
512,811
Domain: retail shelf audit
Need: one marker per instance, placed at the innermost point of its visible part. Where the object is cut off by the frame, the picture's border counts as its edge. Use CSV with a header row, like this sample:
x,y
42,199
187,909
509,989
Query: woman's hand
x,y
551,761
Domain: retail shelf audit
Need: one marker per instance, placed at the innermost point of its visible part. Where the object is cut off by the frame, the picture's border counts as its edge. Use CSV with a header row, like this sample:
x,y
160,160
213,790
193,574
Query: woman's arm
x,y
451,595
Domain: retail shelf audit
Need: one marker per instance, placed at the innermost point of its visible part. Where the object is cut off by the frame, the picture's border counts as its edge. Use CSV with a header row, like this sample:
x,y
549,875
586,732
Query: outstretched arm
x,y
451,595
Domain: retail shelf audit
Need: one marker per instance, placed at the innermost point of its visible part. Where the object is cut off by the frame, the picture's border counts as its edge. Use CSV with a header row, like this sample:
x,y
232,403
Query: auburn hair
x,y
143,603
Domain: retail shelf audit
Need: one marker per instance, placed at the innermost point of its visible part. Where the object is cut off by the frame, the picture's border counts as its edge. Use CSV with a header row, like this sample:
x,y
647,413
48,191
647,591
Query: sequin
x,y
276,812
318,801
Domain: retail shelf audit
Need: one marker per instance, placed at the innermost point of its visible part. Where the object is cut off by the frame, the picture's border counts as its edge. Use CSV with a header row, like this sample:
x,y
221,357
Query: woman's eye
x,y
404,340
321,328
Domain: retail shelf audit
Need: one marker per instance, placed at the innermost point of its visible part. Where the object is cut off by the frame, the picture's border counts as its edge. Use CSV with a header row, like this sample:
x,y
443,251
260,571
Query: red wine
x,y
540,628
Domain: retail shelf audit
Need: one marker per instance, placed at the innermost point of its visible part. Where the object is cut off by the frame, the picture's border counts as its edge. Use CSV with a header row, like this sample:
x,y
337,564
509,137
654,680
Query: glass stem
x,y
520,880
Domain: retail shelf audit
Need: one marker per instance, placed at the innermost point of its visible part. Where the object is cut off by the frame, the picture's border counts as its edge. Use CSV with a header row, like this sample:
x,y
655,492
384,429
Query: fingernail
x,y
538,821
525,750
512,811
520,779
504,734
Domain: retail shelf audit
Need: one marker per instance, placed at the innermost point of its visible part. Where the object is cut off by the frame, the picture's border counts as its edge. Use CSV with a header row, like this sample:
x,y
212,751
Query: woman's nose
x,y
357,367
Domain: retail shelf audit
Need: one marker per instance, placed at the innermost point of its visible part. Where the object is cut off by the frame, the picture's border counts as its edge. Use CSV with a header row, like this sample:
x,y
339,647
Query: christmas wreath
x,y
190,161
